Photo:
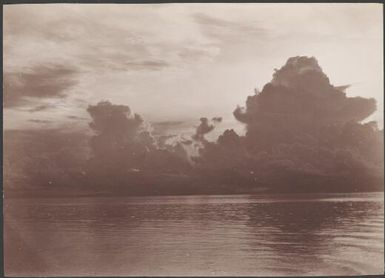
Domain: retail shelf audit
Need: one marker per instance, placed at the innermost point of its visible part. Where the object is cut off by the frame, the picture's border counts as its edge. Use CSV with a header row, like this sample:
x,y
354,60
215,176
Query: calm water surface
x,y
326,234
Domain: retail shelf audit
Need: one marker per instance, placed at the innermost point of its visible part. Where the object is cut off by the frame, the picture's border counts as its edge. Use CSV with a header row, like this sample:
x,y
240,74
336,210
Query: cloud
x,y
299,126
210,21
121,140
149,65
73,117
40,82
194,53
343,88
71,37
96,40
123,144
40,108
300,138
39,121
167,124
300,94
172,127
113,119
204,128
125,47
217,119
226,31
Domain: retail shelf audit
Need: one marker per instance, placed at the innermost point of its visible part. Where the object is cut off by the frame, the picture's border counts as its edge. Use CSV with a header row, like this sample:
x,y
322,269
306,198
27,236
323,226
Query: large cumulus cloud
x,y
123,144
300,129
299,99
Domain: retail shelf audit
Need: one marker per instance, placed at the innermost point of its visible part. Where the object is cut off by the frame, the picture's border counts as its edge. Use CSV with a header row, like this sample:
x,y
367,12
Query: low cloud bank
x,y
303,134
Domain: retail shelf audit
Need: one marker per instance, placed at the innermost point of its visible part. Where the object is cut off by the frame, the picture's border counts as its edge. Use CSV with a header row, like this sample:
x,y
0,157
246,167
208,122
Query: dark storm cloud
x,y
41,82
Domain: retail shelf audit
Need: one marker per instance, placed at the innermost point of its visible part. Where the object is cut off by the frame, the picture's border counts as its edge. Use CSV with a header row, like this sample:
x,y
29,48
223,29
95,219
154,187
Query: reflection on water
x,y
336,234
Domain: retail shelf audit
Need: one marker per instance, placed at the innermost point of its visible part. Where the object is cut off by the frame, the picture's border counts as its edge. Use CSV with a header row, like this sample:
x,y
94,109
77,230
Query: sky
x,y
175,63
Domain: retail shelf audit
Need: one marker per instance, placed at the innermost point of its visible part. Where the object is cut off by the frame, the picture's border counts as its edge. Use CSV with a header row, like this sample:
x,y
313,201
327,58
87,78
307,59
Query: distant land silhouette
x,y
303,134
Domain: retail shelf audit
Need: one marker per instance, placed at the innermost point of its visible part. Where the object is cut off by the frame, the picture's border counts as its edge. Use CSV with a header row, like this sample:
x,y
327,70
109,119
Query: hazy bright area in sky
x,y
175,63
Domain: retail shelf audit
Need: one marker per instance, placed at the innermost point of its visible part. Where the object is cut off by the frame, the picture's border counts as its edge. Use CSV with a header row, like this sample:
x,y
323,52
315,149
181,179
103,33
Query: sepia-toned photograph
x,y
193,139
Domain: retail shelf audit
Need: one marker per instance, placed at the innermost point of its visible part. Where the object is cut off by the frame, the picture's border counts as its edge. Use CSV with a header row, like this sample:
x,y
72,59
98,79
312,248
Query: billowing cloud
x,y
123,143
110,118
300,126
299,98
